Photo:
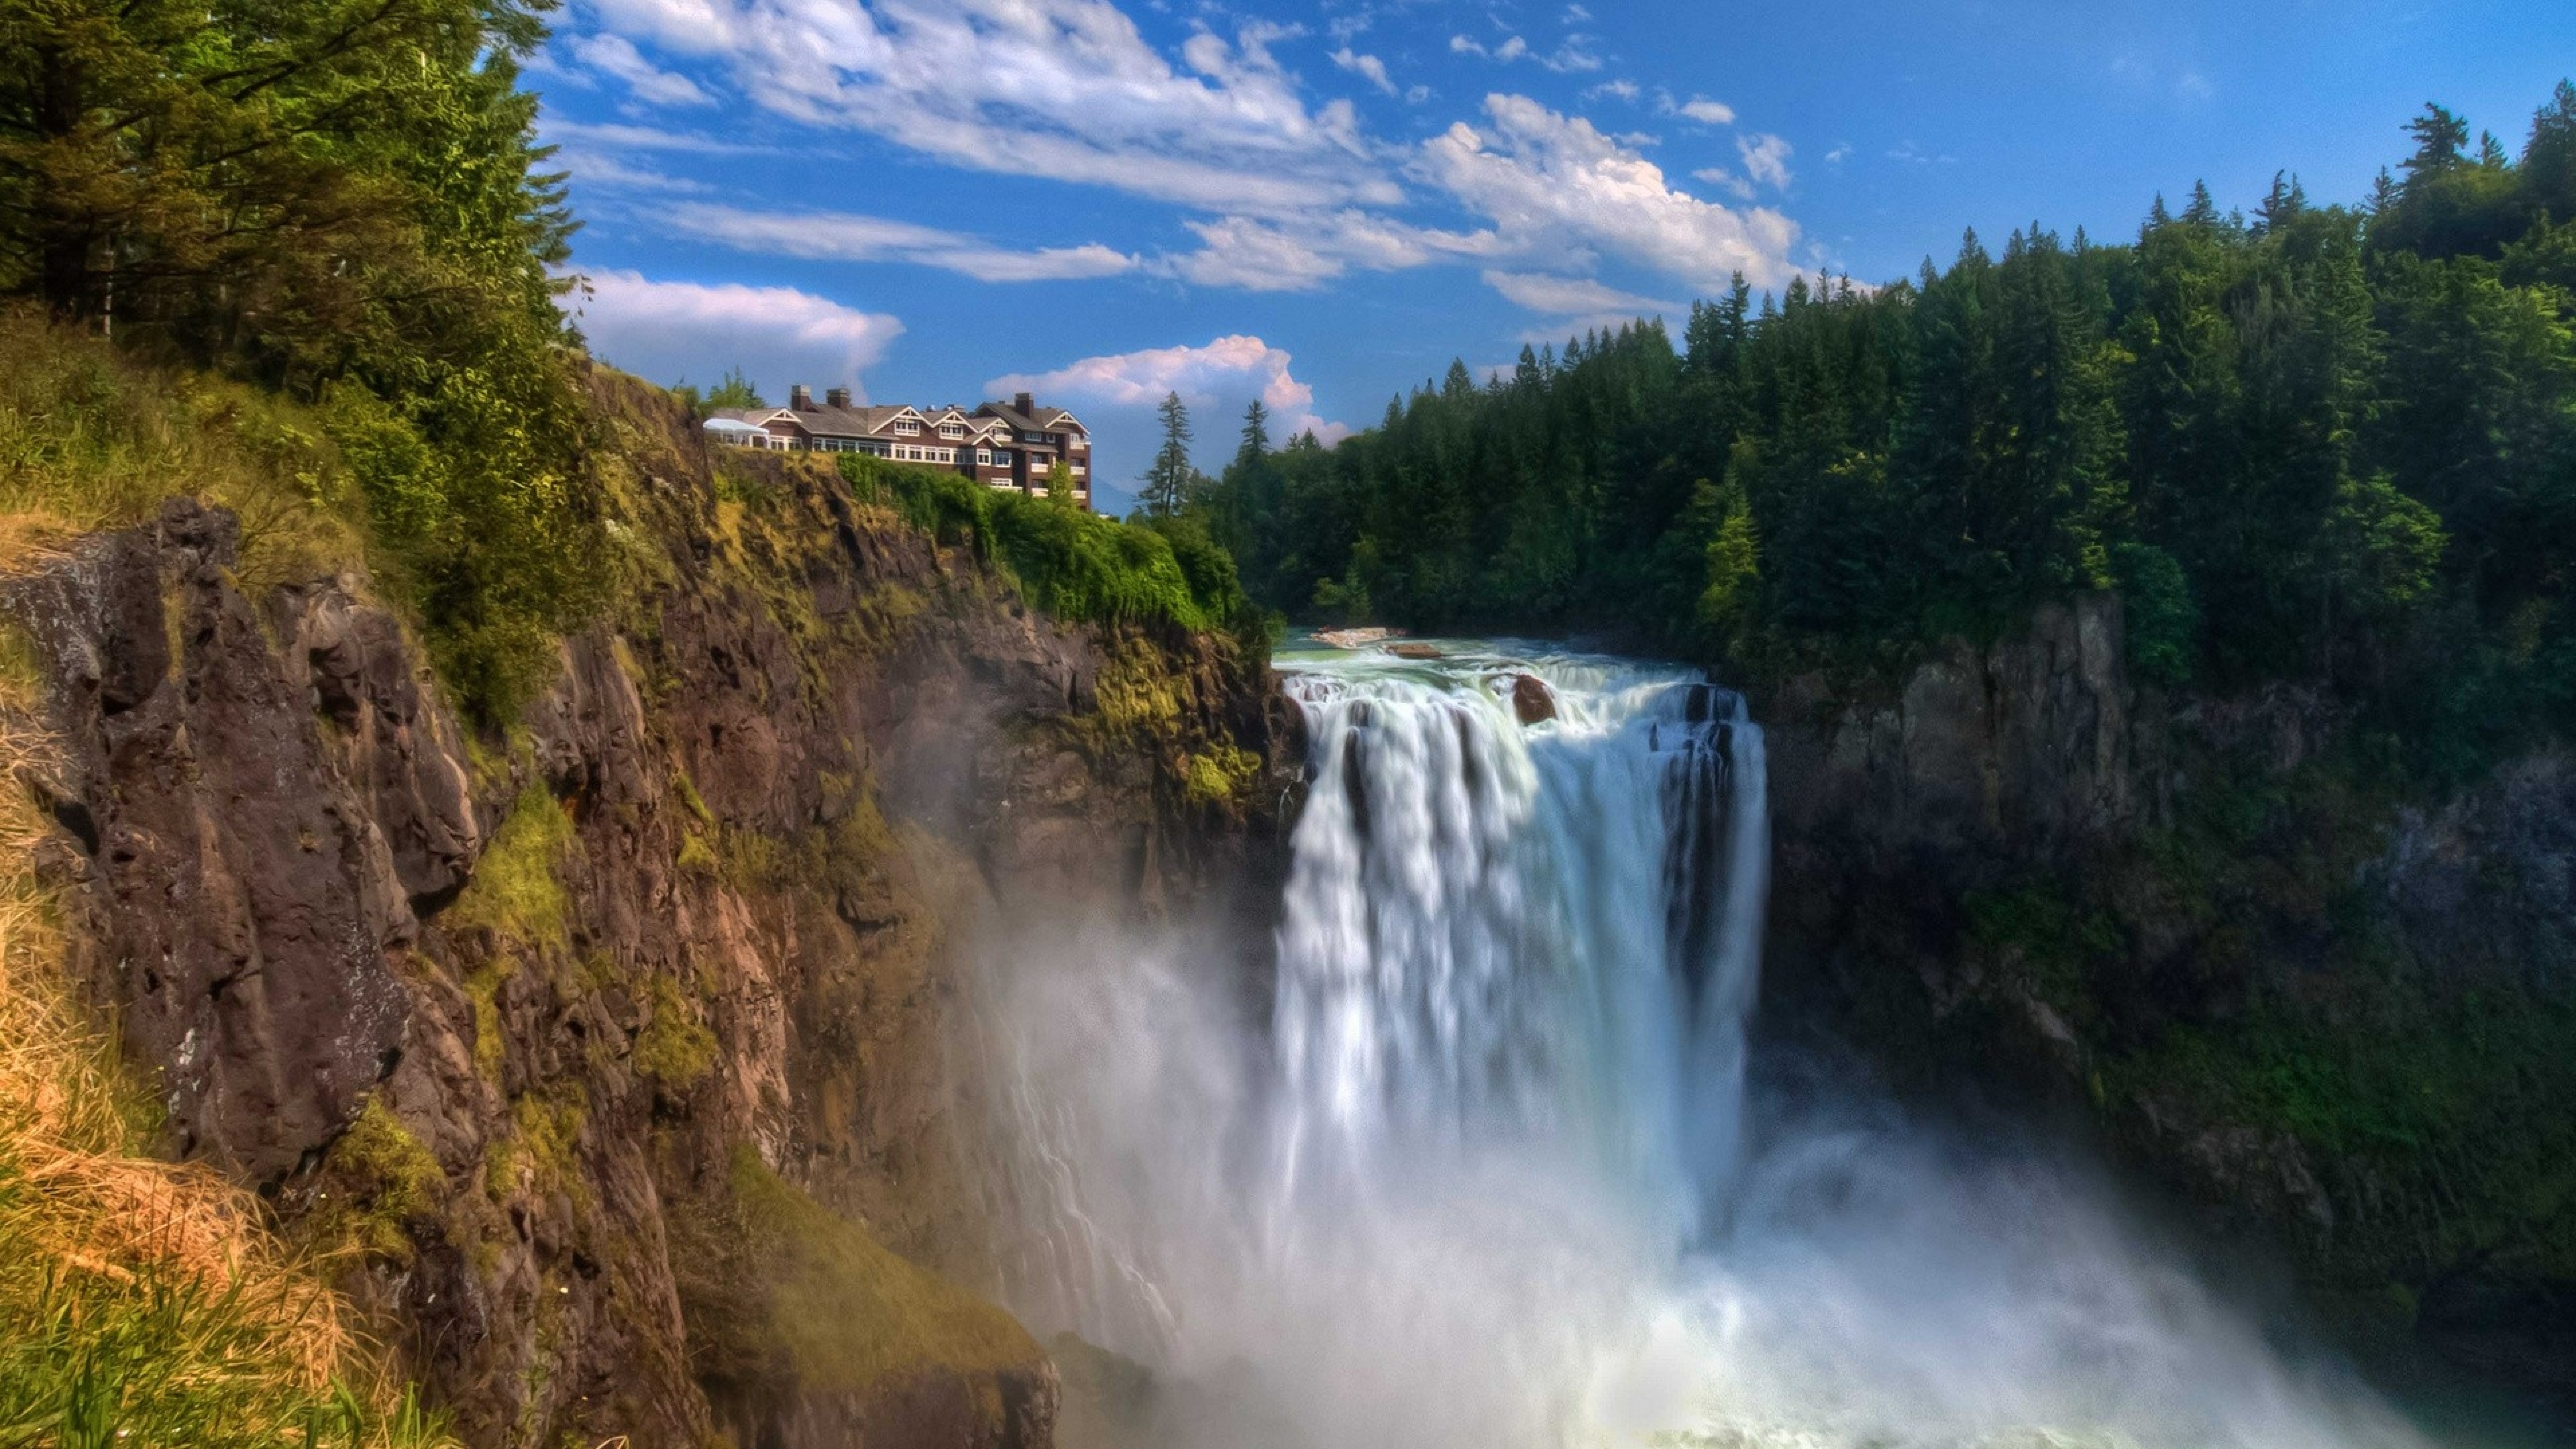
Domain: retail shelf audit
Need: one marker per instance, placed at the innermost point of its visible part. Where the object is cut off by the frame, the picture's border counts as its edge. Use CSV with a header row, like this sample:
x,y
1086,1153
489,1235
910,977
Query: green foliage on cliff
x,y
2237,977
514,891
1075,565
790,1289
2321,442
341,202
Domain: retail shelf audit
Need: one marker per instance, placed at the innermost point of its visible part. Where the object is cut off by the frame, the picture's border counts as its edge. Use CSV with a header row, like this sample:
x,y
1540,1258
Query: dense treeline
x,y
2317,441
342,201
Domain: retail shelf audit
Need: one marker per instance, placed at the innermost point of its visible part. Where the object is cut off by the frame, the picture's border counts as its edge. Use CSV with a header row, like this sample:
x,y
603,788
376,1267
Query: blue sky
x,y
1322,204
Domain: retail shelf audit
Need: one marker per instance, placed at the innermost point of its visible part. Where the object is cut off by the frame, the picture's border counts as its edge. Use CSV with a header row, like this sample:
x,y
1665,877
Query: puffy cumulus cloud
x,y
1065,89
847,237
1555,184
1225,370
1540,292
685,330
617,56
1367,67
1766,158
1262,256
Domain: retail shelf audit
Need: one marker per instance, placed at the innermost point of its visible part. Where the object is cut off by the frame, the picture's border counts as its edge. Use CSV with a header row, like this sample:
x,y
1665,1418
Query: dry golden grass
x,y
141,1301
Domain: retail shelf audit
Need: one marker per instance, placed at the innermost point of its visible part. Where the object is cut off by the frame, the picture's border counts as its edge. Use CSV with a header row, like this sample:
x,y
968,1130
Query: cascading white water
x,y
1490,1175
1503,934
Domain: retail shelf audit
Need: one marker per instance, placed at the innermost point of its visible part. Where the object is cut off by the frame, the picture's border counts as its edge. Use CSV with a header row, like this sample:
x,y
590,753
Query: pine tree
x,y
1256,434
1167,480
2439,136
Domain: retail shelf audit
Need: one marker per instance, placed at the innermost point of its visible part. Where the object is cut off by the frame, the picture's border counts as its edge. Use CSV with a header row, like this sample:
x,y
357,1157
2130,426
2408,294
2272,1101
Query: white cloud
x,y
1569,57
1299,256
642,138
1700,109
1766,158
1625,90
669,331
1256,256
1720,176
1415,95
1542,293
1367,67
1555,184
616,55
1225,369
1837,156
608,171
847,237
1065,89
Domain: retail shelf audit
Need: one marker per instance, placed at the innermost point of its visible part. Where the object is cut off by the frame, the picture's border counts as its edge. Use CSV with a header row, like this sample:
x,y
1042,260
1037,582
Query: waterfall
x,y
1497,931
1495,1172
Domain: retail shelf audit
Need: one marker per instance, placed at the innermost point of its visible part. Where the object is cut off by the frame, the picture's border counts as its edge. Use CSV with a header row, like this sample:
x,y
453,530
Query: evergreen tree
x,y
1167,480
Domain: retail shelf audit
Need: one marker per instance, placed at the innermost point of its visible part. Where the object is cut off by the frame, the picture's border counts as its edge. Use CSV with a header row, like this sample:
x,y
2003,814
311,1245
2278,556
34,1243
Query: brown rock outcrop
x,y
708,899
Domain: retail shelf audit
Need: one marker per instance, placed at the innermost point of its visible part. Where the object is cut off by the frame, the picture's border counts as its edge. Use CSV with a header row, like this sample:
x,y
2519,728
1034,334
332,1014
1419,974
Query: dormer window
x,y
906,427
952,430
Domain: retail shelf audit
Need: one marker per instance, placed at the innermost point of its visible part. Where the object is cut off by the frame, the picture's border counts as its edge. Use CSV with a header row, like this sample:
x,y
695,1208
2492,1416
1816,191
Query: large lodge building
x,y
1003,445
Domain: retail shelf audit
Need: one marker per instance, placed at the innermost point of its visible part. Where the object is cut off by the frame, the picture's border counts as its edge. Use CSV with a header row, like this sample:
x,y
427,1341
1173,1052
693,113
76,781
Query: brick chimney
x,y
800,397
1025,405
838,397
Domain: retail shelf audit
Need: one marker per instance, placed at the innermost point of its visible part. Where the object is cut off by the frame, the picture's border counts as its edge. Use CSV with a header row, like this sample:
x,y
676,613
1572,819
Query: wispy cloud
x,y
644,138
1766,159
1542,293
1226,368
1572,57
674,330
1367,67
1720,176
1263,256
1700,109
849,237
617,56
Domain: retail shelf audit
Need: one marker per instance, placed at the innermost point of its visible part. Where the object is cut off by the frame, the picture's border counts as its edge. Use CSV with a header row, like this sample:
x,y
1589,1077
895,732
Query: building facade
x,y
1012,445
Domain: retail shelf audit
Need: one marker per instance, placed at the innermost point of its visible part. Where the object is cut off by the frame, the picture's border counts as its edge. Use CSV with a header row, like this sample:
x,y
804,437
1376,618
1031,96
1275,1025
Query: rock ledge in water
x,y
1413,651
1531,699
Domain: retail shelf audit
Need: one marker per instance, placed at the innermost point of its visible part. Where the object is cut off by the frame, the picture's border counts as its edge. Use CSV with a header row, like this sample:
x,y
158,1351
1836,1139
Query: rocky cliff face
x,y
622,1049
2332,1010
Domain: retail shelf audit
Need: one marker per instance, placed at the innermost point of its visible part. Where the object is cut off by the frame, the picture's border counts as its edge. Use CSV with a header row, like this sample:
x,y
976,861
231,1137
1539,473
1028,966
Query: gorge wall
x,y
623,1056
2327,1009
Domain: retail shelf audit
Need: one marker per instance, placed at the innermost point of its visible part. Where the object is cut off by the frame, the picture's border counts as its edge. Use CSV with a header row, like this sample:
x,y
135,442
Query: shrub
x,y
1076,566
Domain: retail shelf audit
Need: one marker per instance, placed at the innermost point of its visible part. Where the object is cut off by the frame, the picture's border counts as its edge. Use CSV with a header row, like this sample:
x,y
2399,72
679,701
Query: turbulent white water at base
x,y
1491,1174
